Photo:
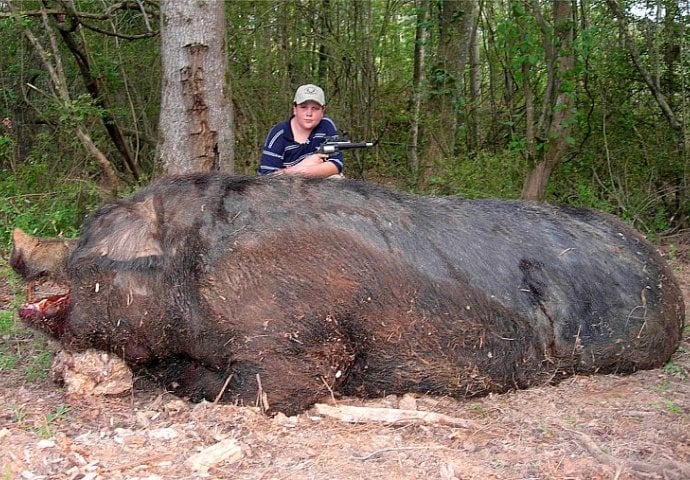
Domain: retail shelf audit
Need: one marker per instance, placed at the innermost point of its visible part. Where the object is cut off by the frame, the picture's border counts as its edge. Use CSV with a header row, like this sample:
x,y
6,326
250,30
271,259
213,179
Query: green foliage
x,y
18,412
24,351
42,204
475,177
8,360
6,321
622,158
21,350
478,408
7,144
76,111
46,428
672,252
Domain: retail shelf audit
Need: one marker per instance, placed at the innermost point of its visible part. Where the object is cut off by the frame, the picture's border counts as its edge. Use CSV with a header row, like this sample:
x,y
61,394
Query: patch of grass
x,y
673,369
22,350
46,428
25,352
8,361
12,279
17,411
39,366
50,419
672,253
8,358
672,407
669,406
6,322
477,408
571,421
544,426
664,385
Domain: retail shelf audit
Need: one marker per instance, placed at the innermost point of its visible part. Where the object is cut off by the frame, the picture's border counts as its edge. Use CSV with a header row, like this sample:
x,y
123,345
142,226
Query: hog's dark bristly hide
x,y
289,290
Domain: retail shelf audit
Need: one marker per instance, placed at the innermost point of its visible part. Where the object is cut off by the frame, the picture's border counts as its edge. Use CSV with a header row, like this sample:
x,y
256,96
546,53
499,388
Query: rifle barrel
x,y
351,144
332,147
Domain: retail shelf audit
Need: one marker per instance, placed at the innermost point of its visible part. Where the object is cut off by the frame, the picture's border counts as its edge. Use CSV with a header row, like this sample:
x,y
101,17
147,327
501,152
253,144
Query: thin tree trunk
x,y
530,135
446,85
101,159
550,59
417,82
489,35
642,70
560,113
325,31
470,12
95,88
474,88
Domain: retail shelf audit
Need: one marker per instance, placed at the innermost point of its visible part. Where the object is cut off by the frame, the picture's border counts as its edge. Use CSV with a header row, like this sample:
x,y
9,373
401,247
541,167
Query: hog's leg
x,y
286,370
292,370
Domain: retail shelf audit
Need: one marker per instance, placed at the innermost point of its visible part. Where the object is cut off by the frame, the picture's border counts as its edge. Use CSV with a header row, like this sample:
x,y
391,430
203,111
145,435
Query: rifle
x,y
333,145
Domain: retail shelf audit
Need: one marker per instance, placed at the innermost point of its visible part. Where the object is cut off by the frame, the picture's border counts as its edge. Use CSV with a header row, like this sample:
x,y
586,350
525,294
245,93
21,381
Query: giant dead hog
x,y
294,288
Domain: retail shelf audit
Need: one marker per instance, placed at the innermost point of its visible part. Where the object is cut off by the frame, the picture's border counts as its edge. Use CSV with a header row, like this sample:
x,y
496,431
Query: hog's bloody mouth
x,y
48,314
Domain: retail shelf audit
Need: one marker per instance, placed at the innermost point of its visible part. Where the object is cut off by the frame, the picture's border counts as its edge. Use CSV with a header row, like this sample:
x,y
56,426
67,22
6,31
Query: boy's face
x,y
308,114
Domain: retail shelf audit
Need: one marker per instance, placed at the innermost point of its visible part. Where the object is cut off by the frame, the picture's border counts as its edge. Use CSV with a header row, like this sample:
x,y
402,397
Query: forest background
x,y
580,102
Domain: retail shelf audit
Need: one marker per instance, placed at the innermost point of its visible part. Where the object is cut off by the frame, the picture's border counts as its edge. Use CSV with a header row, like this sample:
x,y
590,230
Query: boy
x,y
290,147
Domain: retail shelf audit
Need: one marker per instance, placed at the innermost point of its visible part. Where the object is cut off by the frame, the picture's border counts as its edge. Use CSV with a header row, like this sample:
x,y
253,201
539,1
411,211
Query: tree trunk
x,y
473,139
558,113
325,30
495,69
446,83
470,12
195,126
530,137
94,86
417,81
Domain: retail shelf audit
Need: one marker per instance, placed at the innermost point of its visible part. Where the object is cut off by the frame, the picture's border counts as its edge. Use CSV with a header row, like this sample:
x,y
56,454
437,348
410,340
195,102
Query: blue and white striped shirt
x,y
282,151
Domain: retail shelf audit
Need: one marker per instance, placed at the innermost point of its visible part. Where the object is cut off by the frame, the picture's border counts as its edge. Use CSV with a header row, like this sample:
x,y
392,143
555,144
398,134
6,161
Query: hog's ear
x,y
34,256
22,245
127,231
22,240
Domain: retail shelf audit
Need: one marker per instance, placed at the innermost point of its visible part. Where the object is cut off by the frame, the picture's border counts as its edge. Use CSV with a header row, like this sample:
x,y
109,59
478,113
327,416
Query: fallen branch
x,y
222,390
352,414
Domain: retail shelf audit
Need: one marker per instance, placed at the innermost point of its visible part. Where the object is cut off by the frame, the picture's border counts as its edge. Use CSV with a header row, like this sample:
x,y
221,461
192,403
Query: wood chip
x,y
228,451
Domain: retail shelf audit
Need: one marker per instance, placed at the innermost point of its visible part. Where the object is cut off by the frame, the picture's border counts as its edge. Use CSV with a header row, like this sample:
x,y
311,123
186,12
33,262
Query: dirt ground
x,y
587,427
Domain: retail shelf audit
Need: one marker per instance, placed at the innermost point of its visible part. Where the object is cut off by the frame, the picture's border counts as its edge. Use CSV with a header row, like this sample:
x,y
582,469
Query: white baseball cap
x,y
309,92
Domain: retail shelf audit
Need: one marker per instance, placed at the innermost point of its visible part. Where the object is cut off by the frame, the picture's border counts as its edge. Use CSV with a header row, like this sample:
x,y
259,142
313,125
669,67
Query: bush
x,y
477,177
34,200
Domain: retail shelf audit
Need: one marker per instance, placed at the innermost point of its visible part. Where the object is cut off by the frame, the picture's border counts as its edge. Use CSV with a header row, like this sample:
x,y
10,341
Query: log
x,y
352,414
